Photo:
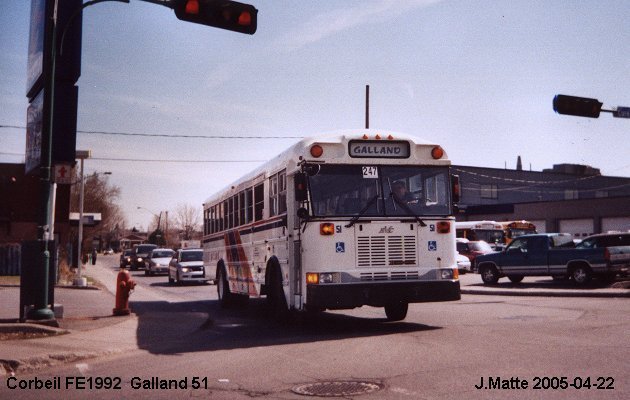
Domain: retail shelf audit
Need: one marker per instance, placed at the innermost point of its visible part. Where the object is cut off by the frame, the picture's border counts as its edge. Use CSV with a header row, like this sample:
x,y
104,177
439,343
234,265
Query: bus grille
x,y
389,276
386,251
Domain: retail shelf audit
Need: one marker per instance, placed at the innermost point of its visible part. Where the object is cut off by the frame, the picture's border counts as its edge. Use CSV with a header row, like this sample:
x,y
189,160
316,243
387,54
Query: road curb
x,y
617,293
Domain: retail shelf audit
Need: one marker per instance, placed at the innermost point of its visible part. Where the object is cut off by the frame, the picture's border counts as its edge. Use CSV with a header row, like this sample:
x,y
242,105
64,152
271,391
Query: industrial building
x,y
568,198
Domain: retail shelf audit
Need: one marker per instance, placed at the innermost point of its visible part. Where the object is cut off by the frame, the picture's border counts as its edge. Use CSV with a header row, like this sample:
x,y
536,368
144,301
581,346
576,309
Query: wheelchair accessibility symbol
x,y
340,247
432,245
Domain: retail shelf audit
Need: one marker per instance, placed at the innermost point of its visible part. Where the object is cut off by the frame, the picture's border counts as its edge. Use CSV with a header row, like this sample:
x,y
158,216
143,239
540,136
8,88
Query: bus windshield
x,y
380,191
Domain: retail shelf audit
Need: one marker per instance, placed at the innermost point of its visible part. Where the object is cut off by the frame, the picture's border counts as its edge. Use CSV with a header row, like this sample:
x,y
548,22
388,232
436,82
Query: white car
x,y
158,260
187,266
463,263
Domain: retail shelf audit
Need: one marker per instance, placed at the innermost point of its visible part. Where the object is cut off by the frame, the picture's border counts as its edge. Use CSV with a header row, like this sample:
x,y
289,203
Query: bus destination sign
x,y
378,149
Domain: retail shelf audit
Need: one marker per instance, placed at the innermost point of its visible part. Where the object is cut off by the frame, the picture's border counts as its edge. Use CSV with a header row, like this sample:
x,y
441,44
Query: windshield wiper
x,y
363,210
405,207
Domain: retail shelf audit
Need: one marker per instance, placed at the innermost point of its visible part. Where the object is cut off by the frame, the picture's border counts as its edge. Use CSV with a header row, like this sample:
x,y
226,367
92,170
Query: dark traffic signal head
x,y
230,15
578,106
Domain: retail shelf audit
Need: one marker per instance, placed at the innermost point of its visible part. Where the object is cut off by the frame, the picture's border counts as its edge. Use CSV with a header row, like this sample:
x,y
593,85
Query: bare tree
x,y
187,220
100,197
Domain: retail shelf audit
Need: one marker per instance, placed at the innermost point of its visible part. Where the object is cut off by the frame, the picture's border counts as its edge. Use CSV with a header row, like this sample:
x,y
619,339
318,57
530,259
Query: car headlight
x,y
184,269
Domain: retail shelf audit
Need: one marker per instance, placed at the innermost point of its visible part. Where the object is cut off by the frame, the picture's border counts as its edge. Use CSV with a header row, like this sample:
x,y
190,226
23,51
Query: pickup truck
x,y
552,254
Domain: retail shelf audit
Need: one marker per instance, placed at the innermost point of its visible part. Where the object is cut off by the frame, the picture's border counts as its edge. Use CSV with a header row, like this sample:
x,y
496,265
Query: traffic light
x,y
578,106
223,14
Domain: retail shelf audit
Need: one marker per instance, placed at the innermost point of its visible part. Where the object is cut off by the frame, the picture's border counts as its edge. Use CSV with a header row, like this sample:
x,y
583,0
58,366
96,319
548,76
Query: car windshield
x,y
162,254
347,190
192,256
480,246
144,249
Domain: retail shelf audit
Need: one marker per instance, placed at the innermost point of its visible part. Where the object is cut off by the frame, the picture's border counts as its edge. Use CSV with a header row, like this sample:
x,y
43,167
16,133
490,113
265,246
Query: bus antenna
x,y
367,106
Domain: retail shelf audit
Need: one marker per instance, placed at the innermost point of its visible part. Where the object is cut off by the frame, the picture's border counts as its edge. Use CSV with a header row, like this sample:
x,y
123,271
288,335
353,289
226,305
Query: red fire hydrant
x,y
124,286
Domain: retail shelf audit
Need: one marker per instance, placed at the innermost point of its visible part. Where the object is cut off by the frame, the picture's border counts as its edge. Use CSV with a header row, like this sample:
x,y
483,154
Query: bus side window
x,y
259,201
249,195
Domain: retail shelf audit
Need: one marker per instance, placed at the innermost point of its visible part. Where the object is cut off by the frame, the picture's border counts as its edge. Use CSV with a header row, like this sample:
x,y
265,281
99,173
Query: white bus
x,y
321,226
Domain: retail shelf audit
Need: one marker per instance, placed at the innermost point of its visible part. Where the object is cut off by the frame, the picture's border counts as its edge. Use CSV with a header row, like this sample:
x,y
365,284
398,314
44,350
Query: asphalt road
x,y
441,350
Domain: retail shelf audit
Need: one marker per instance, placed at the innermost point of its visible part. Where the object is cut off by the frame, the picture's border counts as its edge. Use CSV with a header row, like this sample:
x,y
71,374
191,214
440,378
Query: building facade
x,y
569,198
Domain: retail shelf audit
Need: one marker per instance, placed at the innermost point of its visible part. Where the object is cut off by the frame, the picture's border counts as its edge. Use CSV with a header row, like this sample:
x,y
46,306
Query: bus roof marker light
x,y
437,152
390,137
317,151
365,136
377,137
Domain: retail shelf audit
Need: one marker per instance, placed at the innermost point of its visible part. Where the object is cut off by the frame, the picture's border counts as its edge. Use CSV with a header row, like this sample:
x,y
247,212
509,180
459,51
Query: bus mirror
x,y
302,213
456,188
300,187
312,169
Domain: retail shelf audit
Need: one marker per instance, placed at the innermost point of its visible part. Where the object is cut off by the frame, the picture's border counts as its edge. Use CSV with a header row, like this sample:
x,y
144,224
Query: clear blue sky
x,y
476,76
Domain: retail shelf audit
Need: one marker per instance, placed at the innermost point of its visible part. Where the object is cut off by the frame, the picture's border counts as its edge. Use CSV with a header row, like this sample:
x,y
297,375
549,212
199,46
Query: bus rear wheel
x,y
396,311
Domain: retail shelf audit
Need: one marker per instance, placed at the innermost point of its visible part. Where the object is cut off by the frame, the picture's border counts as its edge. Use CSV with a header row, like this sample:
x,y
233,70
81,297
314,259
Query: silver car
x,y
187,266
158,260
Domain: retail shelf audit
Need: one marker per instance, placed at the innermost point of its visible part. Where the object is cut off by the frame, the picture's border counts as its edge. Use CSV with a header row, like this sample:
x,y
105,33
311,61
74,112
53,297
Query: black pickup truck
x,y
552,254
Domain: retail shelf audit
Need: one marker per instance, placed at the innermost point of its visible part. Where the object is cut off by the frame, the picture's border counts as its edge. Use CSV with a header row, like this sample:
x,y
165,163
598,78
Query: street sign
x,y
622,112
63,174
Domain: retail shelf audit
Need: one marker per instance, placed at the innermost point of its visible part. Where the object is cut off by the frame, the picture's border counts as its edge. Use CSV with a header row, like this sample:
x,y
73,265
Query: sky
x,y
477,77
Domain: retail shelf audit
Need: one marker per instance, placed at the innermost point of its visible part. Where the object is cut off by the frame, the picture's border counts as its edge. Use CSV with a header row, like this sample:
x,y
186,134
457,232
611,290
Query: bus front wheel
x,y
223,289
397,311
276,301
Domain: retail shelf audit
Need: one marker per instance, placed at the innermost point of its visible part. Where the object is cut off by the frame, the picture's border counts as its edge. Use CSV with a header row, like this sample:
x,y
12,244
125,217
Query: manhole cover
x,y
336,388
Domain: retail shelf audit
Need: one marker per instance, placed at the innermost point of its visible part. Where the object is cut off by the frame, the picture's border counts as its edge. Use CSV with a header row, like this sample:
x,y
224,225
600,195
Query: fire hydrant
x,y
124,286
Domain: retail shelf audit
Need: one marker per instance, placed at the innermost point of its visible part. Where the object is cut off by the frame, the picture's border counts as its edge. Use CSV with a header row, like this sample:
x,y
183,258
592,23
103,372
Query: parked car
x,y
552,254
125,258
187,266
605,240
472,249
158,260
140,253
463,263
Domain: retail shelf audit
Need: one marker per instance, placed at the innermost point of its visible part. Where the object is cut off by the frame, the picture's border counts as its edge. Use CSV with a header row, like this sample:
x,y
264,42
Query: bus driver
x,y
399,189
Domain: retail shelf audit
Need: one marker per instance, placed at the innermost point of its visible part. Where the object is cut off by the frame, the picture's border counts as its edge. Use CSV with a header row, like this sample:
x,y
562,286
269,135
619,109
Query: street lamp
x,y
81,155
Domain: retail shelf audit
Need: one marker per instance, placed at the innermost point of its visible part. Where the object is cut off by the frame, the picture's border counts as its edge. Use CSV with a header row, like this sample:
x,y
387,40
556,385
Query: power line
x,y
175,161
171,136
154,160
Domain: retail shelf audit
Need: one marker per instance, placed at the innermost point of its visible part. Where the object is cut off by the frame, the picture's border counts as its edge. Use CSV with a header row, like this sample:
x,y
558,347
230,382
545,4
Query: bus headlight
x,y
451,273
314,278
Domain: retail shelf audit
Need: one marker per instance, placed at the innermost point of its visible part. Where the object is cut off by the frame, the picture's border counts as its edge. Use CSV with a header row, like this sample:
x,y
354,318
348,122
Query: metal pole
x,y
40,311
79,280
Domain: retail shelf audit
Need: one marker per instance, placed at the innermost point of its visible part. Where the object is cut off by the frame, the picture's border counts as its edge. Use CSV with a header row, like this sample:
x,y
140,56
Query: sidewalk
x,y
89,330
85,330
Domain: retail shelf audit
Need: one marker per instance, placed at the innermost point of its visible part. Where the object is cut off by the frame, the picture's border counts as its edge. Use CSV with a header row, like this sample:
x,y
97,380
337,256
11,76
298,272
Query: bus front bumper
x,y
346,296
